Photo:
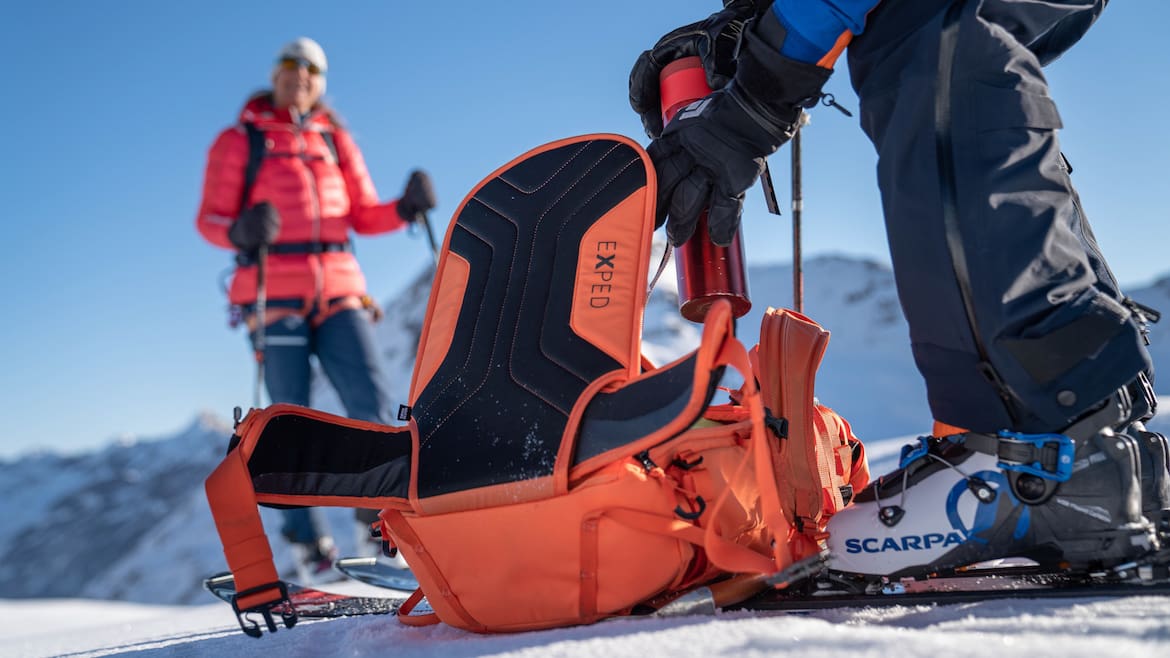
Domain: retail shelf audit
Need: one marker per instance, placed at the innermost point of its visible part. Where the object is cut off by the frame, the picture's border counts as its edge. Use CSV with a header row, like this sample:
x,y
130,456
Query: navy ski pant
x,y
345,348
1015,319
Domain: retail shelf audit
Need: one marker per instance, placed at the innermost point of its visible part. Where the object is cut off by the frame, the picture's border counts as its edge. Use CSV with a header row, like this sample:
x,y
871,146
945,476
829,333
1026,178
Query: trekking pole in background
x,y
797,210
706,272
798,201
425,220
261,323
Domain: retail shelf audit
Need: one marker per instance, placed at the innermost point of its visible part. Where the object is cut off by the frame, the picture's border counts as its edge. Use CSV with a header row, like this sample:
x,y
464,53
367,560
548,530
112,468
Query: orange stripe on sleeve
x,y
830,58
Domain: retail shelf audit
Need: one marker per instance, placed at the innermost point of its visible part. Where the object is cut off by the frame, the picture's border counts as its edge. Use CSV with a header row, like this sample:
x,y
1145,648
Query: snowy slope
x,y
129,521
67,519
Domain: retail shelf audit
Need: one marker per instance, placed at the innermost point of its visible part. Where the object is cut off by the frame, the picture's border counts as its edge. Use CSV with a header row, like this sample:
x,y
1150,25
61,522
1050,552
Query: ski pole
x,y
797,209
798,202
261,303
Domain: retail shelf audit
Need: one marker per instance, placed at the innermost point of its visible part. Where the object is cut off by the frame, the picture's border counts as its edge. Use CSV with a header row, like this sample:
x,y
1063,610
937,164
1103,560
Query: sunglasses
x,y
294,63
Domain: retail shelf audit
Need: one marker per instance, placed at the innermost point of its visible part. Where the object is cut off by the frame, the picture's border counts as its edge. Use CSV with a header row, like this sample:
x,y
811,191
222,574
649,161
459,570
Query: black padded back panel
x,y
496,407
615,419
309,457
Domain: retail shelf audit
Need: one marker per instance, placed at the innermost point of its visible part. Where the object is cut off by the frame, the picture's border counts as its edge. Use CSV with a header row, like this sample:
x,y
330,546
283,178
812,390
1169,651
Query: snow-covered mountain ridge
x,y
130,521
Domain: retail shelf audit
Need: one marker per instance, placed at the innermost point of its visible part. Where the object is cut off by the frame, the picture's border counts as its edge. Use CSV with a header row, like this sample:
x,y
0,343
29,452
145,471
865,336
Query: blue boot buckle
x,y
1065,451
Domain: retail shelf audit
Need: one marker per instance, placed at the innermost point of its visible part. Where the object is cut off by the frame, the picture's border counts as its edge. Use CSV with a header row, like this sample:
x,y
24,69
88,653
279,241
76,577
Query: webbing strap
x,y
237,519
407,619
791,349
762,456
257,149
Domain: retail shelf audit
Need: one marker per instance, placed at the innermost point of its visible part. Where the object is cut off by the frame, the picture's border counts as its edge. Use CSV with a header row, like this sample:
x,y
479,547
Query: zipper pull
x,y
828,100
644,459
652,469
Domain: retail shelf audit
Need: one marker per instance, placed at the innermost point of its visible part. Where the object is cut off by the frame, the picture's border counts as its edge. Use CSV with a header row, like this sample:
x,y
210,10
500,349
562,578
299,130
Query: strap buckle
x,y
1048,456
911,452
252,629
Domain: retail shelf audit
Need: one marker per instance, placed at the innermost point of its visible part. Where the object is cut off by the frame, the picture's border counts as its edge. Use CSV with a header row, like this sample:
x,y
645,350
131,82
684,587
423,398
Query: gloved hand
x,y
255,227
714,149
417,198
714,40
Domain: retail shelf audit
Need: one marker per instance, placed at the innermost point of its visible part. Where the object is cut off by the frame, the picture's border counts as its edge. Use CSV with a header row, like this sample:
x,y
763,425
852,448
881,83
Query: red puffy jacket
x,y
319,199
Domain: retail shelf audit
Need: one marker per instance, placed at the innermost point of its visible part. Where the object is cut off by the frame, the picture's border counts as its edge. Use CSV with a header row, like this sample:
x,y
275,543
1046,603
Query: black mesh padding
x,y
615,419
305,456
495,409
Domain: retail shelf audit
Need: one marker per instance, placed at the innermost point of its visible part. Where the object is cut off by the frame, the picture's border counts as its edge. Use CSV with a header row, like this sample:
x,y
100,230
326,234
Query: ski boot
x,y
1154,453
366,544
1155,458
370,545
314,562
1069,502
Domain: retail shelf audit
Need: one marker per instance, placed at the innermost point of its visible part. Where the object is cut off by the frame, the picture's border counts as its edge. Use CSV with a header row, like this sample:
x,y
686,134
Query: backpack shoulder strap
x,y
817,458
257,149
331,142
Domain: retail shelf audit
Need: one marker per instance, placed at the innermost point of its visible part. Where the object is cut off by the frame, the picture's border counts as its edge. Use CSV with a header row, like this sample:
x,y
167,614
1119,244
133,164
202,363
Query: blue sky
x,y
115,323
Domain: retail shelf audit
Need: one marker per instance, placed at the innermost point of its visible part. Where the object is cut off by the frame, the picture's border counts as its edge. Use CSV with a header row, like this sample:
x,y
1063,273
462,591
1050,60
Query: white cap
x,y
306,49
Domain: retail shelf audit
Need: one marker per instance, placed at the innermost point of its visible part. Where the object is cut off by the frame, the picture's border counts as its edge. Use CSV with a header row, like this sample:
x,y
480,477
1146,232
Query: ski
x,y
971,585
777,601
825,591
370,571
309,602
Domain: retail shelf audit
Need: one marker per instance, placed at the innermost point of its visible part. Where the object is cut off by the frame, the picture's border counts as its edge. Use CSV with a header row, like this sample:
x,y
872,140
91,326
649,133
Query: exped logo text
x,y
601,288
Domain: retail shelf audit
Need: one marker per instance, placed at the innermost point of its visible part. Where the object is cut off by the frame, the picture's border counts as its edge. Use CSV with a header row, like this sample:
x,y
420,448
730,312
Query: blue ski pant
x,y
1015,319
345,348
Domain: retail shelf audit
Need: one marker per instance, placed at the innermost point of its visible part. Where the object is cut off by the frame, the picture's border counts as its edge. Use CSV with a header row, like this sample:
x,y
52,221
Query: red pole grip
x,y
706,272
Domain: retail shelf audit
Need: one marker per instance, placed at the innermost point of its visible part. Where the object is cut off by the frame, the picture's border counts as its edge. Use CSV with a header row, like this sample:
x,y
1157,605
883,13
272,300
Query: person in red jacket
x,y
283,188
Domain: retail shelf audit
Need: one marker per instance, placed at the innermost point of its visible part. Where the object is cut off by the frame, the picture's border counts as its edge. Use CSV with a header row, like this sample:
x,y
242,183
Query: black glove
x,y
257,226
418,197
714,40
714,149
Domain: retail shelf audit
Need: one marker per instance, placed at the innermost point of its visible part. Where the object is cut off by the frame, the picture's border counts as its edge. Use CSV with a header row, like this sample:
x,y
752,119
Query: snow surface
x,y
1135,627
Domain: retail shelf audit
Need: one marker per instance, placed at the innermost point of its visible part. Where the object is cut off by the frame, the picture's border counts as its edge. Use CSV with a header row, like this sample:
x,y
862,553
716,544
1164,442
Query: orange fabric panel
x,y
423,566
487,583
442,318
252,425
490,496
609,292
333,501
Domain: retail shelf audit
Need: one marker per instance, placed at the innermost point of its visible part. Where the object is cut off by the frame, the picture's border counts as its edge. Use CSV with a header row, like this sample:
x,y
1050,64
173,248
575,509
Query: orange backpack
x,y
549,475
